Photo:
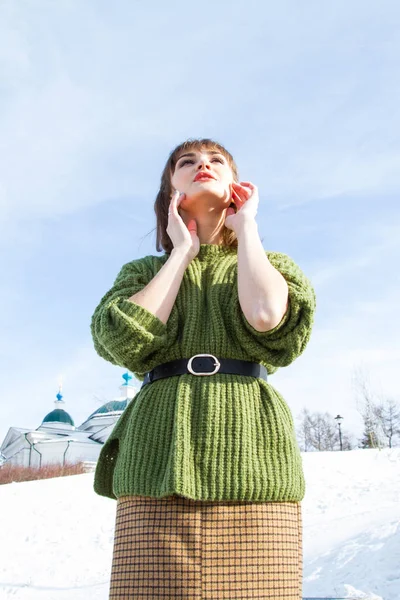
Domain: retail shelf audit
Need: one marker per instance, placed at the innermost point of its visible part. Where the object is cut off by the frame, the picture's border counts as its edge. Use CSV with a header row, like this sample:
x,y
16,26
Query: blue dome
x,y
58,415
112,406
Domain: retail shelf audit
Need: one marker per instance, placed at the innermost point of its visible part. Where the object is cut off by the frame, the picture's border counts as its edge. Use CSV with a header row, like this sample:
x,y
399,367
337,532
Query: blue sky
x,y
93,98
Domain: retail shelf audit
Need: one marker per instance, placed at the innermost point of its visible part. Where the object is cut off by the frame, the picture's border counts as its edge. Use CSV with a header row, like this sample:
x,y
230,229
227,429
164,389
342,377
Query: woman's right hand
x,y
183,238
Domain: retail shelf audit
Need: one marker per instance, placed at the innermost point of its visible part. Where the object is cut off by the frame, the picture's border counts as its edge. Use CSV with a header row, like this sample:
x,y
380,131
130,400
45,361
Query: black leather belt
x,y
205,365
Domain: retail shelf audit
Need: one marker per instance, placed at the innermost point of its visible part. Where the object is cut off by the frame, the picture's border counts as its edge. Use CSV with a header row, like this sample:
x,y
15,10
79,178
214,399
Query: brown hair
x,y
163,198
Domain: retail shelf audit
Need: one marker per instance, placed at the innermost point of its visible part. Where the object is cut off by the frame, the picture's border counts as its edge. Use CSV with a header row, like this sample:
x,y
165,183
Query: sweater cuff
x,y
143,317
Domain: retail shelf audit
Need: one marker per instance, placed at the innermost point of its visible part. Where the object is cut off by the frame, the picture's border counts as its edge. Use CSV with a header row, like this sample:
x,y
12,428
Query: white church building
x,y
58,441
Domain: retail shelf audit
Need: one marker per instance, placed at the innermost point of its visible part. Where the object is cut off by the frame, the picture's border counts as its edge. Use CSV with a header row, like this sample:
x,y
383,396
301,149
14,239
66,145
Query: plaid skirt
x,y
175,547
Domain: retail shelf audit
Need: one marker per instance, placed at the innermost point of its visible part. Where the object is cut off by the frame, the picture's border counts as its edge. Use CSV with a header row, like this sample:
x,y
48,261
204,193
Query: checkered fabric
x,y
176,547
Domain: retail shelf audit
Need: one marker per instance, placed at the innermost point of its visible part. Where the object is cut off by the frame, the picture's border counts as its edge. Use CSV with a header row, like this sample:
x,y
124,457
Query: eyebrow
x,y
194,154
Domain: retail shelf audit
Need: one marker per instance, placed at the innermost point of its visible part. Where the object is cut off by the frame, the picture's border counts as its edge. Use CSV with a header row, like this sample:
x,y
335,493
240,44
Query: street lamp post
x,y
339,420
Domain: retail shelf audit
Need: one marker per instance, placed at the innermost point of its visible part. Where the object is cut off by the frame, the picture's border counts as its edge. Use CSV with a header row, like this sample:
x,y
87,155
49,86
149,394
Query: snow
x,y
57,534
352,524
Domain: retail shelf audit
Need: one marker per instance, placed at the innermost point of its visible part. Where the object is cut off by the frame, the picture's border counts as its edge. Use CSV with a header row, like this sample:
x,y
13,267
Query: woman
x,y
204,461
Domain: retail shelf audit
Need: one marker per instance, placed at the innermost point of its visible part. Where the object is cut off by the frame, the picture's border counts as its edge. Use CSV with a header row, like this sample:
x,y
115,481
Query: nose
x,y
204,163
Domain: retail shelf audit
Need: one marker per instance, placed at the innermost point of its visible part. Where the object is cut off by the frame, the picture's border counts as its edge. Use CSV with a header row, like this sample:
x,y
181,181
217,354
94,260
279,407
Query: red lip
x,y
203,174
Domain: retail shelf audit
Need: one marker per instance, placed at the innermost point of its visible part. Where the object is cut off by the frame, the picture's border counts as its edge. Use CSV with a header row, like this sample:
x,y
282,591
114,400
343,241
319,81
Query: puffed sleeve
x,y
125,333
281,345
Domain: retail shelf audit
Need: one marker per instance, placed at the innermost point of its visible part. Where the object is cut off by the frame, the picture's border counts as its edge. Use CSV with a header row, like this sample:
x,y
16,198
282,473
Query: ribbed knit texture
x,y
222,437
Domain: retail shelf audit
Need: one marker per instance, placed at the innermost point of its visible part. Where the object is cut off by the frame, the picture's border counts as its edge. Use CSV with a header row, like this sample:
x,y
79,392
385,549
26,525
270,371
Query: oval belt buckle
x,y
217,365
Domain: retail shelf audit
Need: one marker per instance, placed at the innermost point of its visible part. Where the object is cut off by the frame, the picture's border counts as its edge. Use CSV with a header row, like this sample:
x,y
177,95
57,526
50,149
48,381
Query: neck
x,y
209,225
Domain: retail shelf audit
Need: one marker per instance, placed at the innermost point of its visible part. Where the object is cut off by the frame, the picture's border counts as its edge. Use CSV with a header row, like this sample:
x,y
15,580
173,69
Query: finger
x,y
235,197
244,194
244,187
192,226
175,193
248,183
248,186
180,198
173,197
238,200
236,194
173,206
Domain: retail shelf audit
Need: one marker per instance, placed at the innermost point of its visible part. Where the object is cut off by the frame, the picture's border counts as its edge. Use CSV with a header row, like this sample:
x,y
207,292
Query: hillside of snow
x,y
57,534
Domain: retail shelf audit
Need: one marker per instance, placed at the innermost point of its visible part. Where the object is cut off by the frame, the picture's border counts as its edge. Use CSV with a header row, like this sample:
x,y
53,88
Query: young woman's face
x,y
190,164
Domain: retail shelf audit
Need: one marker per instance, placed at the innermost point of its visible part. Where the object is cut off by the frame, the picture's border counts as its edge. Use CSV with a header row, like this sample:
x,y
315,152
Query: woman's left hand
x,y
245,196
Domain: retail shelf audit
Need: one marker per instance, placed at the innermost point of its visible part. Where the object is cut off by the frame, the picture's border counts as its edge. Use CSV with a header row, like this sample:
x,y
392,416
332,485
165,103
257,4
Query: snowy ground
x,y
57,534
352,524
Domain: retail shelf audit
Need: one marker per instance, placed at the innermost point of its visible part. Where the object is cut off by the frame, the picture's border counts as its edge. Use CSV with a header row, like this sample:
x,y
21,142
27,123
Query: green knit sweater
x,y
219,437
